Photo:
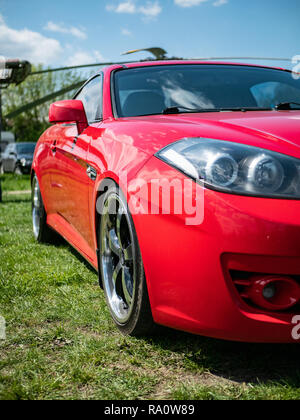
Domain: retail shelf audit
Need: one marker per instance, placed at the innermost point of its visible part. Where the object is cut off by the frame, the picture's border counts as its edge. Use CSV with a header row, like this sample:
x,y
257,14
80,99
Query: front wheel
x,y
122,268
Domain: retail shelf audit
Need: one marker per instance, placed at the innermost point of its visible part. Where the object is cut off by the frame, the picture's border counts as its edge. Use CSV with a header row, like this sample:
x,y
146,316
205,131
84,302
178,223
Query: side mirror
x,y
68,112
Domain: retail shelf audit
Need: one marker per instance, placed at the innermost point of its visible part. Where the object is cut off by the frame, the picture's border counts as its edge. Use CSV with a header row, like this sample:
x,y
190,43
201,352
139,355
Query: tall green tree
x,y
29,125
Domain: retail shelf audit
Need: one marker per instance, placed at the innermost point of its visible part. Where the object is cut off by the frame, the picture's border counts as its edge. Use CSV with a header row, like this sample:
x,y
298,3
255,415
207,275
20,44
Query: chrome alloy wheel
x,y
36,208
118,258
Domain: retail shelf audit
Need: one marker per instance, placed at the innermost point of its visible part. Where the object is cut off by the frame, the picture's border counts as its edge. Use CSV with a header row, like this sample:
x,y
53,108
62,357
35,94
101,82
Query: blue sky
x,y
70,32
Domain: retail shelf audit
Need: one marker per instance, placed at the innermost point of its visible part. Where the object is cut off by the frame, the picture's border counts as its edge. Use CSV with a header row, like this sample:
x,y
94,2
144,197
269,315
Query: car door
x,y
70,178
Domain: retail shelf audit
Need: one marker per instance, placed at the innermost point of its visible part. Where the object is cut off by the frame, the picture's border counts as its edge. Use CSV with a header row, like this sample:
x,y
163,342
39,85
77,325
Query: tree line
x,y
28,126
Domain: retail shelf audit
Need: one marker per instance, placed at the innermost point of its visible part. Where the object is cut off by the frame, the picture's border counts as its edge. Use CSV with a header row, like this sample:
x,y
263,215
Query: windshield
x,y
151,90
25,148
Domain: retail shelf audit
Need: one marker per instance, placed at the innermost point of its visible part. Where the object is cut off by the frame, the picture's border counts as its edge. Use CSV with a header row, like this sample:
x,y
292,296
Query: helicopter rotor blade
x,y
243,58
75,67
43,100
82,66
159,53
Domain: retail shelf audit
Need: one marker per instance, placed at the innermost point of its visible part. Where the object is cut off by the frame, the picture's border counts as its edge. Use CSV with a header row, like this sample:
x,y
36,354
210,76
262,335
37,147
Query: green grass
x,y
11,182
62,344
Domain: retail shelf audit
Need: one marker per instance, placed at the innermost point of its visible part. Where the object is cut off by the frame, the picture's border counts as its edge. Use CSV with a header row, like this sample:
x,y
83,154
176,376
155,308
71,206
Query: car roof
x,y
130,65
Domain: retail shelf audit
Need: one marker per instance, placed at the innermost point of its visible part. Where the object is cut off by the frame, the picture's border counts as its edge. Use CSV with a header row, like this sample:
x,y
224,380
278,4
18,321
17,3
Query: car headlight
x,y
235,168
23,161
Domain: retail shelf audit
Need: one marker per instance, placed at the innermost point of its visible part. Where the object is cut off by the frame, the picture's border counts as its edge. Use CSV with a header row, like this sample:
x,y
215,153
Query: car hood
x,y
282,125
274,130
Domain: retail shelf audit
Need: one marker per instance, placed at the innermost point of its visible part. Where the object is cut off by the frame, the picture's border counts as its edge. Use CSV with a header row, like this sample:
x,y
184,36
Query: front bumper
x,y
188,267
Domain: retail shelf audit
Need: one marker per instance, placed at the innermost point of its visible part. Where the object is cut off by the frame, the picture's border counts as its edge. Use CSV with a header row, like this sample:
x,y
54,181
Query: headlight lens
x,y
235,168
23,161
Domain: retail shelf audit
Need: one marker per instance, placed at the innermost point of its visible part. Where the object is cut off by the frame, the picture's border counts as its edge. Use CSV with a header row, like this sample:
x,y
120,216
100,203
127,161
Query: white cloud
x,y
189,3
36,48
83,57
149,9
28,45
125,7
54,27
126,32
220,3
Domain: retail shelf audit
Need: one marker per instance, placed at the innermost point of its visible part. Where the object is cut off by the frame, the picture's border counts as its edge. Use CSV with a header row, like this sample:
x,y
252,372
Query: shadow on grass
x,y
240,362
81,259
61,242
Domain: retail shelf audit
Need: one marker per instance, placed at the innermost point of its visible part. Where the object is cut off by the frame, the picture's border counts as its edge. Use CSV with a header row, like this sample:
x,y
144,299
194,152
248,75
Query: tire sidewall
x,y
42,215
129,326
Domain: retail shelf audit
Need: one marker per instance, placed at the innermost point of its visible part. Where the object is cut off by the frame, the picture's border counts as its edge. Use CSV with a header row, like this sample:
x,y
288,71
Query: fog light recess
x,y
275,293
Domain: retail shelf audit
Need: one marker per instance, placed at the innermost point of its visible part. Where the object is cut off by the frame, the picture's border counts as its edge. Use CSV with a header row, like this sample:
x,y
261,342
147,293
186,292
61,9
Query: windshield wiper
x,y
287,106
183,110
244,109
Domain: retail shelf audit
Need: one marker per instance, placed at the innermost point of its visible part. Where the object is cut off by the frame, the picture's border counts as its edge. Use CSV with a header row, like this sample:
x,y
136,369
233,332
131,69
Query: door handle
x,y
74,142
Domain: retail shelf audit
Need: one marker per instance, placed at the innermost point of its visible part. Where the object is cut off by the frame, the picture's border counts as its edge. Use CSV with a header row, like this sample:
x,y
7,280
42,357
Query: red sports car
x,y
179,181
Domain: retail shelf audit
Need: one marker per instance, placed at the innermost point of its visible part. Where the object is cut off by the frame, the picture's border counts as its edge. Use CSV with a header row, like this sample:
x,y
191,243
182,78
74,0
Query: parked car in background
x,y
17,158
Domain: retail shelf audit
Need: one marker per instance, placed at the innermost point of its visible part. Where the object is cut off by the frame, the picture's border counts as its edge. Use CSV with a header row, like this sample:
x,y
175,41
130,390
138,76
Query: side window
x,y
91,97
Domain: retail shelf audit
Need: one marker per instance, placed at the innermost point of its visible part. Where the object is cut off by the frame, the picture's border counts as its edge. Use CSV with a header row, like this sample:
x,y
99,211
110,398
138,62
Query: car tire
x,y
41,230
1,169
121,266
